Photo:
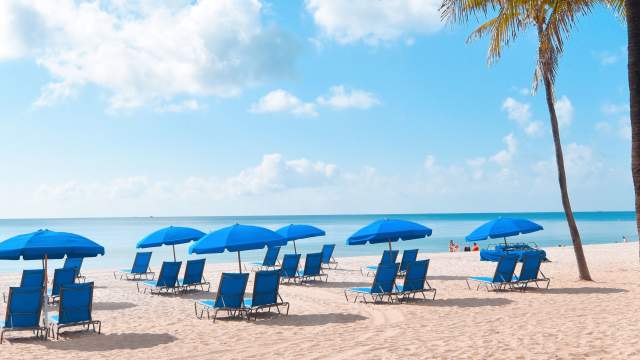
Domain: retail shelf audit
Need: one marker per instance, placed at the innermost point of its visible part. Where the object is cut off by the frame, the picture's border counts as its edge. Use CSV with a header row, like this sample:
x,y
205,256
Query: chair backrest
x,y
32,278
505,268
24,306
290,263
530,266
141,262
416,276
76,302
271,256
408,256
169,274
193,272
312,264
327,252
385,278
389,256
231,290
265,287
62,277
73,263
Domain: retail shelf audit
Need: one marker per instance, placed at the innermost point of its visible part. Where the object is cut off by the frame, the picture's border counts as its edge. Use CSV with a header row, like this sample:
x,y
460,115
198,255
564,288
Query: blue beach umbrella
x,y
502,228
389,230
47,244
236,238
295,232
172,235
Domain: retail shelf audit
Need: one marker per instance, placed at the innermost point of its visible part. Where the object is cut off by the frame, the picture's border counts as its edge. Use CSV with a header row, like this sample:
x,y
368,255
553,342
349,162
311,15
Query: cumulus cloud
x,y
608,57
564,111
146,52
623,126
375,22
181,106
503,157
341,98
521,113
282,101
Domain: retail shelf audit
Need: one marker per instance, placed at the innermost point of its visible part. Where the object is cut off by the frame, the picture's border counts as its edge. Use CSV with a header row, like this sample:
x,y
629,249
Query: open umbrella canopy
x,y
236,238
50,244
389,230
299,231
172,235
502,228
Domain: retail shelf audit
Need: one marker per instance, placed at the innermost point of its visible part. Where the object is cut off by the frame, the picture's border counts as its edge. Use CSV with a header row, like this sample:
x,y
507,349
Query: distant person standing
x,y
475,247
453,247
624,239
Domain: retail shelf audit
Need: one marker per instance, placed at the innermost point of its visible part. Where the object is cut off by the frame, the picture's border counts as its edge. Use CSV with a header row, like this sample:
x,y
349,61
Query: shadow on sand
x,y
577,291
91,342
446,277
112,305
342,284
465,302
308,319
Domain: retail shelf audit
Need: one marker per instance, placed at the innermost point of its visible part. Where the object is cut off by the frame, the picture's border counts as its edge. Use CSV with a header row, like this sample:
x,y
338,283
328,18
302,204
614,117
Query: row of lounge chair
x,y
504,277
270,260
24,310
169,282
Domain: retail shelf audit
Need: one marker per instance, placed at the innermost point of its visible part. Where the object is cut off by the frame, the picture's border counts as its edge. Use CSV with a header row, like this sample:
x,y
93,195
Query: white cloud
x,y
613,109
611,57
182,106
282,101
503,157
374,22
429,162
624,129
603,127
564,111
340,98
534,128
517,111
525,91
145,51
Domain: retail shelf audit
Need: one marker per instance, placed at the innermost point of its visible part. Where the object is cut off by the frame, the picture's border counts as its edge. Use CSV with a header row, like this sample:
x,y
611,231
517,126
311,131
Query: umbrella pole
x,y
45,313
505,241
389,245
239,263
294,247
174,252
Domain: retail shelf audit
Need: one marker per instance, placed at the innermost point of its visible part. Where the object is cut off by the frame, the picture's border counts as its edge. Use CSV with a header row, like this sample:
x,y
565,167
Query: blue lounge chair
x,y
24,307
530,272
194,276
408,257
140,269
312,269
76,264
289,268
328,260
388,257
229,298
270,259
61,277
76,303
415,281
502,278
265,294
167,279
384,285
30,278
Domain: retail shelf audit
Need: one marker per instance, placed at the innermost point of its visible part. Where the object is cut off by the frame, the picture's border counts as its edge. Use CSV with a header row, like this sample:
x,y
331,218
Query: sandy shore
x,y
570,320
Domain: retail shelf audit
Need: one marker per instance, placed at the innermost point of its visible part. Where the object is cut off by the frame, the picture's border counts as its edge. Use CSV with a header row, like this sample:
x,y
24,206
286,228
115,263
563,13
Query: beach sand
x,y
572,319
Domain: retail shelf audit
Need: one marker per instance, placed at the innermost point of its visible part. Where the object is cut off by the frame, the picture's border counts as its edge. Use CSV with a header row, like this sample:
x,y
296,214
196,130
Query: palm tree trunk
x,y
633,30
583,269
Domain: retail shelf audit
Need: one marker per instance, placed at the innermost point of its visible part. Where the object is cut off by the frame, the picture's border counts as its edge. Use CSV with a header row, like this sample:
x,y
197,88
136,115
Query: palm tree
x,y
552,20
630,10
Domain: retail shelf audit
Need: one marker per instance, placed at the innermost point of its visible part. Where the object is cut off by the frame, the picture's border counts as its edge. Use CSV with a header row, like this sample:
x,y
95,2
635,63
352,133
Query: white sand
x,y
570,320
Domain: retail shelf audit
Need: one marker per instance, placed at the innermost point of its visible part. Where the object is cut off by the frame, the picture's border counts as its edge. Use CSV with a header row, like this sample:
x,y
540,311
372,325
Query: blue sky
x,y
116,108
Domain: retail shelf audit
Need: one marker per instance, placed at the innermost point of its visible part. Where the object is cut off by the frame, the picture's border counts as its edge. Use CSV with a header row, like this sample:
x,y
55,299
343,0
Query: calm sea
x,y
119,235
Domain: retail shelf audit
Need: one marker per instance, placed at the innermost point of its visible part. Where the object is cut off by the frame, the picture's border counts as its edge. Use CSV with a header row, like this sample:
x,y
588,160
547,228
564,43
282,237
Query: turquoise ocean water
x,y
119,235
